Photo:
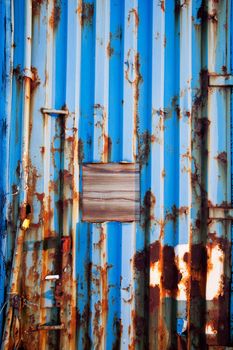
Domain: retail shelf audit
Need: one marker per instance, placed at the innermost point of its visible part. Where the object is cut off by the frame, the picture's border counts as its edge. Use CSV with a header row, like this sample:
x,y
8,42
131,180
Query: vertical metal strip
x,y
6,69
156,325
230,57
130,89
99,296
47,171
184,210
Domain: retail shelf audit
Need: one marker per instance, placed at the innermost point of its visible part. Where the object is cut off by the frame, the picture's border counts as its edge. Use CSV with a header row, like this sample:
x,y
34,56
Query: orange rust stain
x,y
107,148
162,5
55,15
36,5
86,13
110,50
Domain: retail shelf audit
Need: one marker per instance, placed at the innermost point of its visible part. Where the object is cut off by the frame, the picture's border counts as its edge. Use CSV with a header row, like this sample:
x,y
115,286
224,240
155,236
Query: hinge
x,y
221,213
221,80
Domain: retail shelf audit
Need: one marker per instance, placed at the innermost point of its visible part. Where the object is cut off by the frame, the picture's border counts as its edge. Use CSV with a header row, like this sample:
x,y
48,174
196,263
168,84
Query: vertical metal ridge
x,y
129,123
99,297
158,173
184,206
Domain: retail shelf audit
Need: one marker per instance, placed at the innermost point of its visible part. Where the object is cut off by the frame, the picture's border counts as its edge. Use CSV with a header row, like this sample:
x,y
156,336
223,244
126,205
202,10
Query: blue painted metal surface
x,y
134,77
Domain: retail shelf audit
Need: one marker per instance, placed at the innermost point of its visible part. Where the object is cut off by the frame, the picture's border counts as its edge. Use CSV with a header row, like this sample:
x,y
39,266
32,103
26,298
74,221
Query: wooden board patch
x,y
111,192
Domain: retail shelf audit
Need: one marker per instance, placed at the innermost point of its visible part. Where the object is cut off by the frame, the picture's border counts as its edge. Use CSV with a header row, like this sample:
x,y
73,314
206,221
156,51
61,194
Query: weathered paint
x,y
98,81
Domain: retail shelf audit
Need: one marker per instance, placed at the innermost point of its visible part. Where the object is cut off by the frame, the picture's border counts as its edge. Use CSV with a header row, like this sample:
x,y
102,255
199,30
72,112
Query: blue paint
x,y
68,60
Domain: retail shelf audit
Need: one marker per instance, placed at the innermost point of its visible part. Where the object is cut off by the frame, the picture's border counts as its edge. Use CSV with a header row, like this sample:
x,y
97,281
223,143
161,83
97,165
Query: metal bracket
x,y
221,213
221,80
54,111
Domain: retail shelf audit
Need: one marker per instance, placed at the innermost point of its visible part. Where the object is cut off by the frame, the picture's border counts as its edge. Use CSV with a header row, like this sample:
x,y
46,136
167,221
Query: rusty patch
x,y
222,157
144,147
110,50
36,80
86,13
143,258
162,5
17,73
107,148
55,15
171,275
135,13
36,6
147,208
154,298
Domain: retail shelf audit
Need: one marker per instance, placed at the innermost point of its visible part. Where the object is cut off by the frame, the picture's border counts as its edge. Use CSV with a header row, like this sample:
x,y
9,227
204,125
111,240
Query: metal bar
x,y
221,80
44,327
50,327
54,111
221,213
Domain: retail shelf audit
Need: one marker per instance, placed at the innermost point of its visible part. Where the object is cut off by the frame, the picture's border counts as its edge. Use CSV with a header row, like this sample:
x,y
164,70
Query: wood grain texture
x,y
111,192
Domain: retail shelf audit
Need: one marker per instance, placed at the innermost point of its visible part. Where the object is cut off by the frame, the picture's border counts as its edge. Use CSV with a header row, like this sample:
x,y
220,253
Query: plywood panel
x,y
111,192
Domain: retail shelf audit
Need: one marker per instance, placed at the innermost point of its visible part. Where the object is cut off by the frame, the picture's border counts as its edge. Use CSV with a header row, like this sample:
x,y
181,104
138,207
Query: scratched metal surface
x,y
133,76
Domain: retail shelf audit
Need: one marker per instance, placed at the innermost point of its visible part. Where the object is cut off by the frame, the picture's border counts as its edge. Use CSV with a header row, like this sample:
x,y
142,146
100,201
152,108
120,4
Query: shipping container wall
x,y
116,186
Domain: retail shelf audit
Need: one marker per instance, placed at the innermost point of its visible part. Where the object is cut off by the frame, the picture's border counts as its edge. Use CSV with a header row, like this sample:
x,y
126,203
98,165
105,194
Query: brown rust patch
x,y
162,5
36,6
143,258
198,257
154,300
144,147
201,126
55,15
110,50
139,323
171,275
85,11
107,148
147,208
35,81
222,157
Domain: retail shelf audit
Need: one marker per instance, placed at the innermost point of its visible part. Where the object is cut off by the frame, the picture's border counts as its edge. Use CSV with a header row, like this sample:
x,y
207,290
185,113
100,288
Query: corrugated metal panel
x,y
131,81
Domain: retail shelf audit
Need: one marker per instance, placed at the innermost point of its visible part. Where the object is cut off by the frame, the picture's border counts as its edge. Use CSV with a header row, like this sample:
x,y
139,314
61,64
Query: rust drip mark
x,y
107,148
85,11
36,80
202,93
135,13
36,6
55,15
162,5
222,157
17,73
144,147
147,208
110,50
117,327
171,275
